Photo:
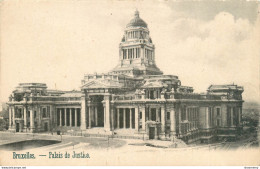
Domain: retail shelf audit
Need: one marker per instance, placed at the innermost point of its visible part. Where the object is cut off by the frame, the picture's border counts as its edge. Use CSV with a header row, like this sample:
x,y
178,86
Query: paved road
x,y
86,143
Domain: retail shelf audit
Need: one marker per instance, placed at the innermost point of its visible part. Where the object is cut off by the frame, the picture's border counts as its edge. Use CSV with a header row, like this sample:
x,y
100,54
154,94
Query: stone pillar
x,y
136,119
124,119
89,116
71,118
76,117
150,114
162,134
50,126
60,117
93,115
39,118
107,112
112,117
130,118
104,115
143,118
96,116
83,125
207,117
180,120
231,116
25,118
13,116
31,120
157,114
173,124
118,112
65,112
239,116
187,113
10,117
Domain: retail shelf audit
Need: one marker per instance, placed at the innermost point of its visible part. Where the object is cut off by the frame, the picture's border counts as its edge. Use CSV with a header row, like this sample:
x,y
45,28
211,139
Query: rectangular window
x,y
168,116
218,111
140,115
183,114
48,111
44,113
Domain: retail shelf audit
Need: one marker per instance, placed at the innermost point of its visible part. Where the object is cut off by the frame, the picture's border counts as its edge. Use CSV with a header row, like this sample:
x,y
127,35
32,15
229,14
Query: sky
x,y
57,42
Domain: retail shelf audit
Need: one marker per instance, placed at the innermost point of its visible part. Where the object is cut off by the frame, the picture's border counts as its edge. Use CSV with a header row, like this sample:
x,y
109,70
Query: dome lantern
x,y
136,21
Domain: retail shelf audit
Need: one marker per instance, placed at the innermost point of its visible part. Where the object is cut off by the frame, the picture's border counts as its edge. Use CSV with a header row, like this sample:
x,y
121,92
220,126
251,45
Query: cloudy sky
x,y
57,42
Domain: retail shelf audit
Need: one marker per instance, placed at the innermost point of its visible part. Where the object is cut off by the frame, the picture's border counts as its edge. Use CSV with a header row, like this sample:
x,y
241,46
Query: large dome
x,y
136,21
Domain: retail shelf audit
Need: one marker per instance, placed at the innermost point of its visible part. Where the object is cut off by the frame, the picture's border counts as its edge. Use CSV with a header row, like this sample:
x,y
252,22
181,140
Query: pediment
x,y
94,84
99,84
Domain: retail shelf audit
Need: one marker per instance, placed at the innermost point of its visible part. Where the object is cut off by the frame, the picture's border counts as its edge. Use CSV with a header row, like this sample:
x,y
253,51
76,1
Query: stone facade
x,y
135,99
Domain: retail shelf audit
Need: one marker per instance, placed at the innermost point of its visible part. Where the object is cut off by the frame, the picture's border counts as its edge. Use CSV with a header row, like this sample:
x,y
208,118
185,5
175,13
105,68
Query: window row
x,y
131,53
137,34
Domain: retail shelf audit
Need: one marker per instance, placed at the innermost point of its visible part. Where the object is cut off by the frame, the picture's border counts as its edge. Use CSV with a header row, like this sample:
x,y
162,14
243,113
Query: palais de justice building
x,y
135,100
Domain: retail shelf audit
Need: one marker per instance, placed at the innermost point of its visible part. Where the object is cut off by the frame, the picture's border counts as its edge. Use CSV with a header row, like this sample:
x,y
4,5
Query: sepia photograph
x,y
129,83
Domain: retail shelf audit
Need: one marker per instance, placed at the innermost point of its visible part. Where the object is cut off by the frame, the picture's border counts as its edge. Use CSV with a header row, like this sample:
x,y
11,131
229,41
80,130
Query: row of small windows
x,y
137,34
149,54
131,53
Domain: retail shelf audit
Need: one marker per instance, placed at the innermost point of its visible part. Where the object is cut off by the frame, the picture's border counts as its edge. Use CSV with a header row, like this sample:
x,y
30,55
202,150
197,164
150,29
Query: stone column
x,y
104,115
162,134
13,116
76,117
39,118
50,126
143,118
118,112
130,118
65,112
96,116
157,114
89,116
25,118
231,116
71,119
83,125
187,113
124,119
107,112
180,120
10,117
150,114
112,117
207,117
239,116
136,119
60,117
173,124
32,120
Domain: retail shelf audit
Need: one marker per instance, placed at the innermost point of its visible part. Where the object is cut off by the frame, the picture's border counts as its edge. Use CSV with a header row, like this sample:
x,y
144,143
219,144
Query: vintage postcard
x,y
129,83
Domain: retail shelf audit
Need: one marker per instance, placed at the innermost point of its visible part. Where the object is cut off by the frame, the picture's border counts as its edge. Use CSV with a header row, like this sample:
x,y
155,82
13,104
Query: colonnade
x,y
93,116
71,119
